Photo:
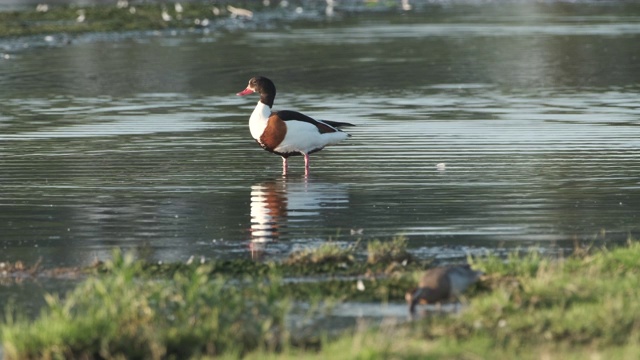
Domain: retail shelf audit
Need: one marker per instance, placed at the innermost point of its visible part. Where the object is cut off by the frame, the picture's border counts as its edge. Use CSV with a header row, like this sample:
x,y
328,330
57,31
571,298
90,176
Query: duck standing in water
x,y
442,283
285,132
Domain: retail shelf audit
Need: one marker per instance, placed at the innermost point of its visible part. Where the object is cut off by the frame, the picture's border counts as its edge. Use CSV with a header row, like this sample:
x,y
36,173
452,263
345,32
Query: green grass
x,y
528,306
326,253
140,16
122,315
589,299
386,251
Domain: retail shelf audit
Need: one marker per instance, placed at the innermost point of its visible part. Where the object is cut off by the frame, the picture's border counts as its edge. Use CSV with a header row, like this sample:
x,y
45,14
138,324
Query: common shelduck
x,y
285,132
442,283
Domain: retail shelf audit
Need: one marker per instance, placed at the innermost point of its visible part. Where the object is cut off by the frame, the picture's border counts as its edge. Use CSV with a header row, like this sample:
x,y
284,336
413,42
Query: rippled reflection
x,y
268,214
286,207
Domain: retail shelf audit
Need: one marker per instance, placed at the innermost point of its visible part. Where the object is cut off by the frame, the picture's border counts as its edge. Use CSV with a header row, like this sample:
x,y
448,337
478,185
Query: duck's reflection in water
x,y
268,214
279,207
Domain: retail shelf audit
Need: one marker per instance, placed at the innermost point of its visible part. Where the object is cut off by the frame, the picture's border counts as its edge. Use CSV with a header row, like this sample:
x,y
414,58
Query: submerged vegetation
x,y
528,305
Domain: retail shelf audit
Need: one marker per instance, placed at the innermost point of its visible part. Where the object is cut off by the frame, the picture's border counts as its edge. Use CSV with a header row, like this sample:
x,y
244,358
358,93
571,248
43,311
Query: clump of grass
x,y
539,306
517,263
141,16
329,252
120,315
586,299
388,251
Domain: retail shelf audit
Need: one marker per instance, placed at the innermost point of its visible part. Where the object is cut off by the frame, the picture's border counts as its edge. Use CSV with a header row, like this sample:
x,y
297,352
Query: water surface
x,y
478,128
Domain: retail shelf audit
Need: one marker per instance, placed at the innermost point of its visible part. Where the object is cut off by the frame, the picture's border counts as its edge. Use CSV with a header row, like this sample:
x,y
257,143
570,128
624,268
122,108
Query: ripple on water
x,y
142,142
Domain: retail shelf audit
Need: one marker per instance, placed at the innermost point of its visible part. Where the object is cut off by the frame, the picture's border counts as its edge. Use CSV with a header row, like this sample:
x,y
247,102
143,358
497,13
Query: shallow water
x,y
138,141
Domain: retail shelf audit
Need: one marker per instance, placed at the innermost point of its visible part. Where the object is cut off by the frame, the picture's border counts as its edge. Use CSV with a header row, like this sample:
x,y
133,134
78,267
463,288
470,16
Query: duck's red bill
x,y
246,91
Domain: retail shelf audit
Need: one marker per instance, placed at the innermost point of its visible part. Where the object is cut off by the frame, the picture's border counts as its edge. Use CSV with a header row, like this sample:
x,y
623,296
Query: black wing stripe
x,y
336,123
294,115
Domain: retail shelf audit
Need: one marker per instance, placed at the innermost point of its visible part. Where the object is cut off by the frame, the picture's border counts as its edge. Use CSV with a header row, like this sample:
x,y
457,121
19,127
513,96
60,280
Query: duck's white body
x,y
301,137
258,119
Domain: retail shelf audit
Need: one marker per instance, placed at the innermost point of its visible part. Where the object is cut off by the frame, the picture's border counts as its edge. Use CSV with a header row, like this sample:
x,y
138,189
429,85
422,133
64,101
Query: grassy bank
x,y
130,15
528,306
74,19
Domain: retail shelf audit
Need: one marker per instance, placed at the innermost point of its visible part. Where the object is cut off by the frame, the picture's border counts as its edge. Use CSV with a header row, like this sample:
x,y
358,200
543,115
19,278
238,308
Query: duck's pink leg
x,y
284,166
306,164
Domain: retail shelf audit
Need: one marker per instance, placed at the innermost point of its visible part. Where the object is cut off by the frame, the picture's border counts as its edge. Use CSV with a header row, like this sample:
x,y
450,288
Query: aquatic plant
x,y
386,251
328,252
571,308
121,315
586,299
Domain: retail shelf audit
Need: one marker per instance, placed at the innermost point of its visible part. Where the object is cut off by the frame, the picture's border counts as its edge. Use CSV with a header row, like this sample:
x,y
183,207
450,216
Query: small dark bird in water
x,y
442,283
